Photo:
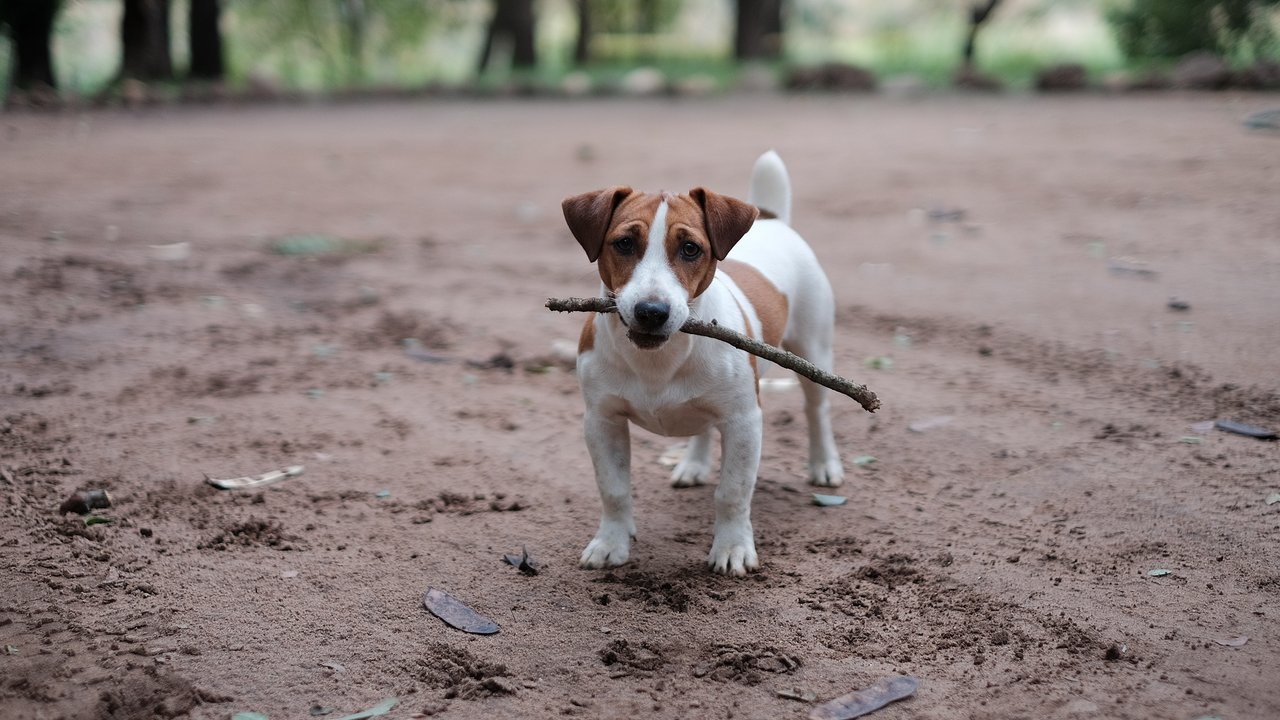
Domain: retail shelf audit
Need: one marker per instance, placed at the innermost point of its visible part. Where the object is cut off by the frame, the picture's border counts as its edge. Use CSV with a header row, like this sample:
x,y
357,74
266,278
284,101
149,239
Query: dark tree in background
x,y
30,24
582,45
144,34
979,13
205,37
758,30
512,21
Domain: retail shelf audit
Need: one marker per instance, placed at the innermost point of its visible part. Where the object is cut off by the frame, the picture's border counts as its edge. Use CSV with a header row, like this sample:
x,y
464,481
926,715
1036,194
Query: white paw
x,y
610,547
733,553
690,473
826,474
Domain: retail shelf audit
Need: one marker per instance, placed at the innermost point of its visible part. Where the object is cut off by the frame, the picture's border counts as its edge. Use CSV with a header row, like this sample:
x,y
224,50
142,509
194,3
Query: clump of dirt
x,y
148,696
460,674
657,593
627,658
745,664
250,533
393,328
889,571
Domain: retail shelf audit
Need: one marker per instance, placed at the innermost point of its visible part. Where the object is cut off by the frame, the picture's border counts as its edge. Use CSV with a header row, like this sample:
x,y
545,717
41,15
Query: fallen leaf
x,y
456,614
881,362
1232,642
97,520
318,710
829,500
1273,498
861,702
798,694
248,716
864,460
1190,440
1160,572
1240,428
381,708
522,562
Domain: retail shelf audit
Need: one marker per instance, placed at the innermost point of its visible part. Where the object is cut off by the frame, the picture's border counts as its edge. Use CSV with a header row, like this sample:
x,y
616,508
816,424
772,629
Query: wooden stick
x,y
791,361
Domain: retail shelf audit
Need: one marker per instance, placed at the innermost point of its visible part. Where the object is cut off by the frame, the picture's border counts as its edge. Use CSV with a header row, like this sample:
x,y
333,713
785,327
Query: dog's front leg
x,y
733,548
609,443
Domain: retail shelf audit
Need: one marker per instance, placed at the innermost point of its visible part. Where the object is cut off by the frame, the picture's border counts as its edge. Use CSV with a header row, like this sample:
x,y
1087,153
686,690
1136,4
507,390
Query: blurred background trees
x,y
89,47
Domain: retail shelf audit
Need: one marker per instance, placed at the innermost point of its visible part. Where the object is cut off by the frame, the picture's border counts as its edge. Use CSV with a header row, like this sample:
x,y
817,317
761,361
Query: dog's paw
x,y
829,473
607,549
733,554
690,472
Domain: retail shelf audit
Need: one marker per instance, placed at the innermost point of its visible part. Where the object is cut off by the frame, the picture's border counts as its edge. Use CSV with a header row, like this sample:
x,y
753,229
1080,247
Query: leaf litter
x,y
457,614
861,702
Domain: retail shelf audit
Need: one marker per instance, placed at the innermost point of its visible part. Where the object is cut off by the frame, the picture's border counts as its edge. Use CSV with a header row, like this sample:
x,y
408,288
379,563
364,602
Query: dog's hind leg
x,y
825,468
695,467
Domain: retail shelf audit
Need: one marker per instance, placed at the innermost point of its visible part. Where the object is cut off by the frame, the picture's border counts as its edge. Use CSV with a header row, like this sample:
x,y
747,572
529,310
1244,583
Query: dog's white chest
x,y
677,420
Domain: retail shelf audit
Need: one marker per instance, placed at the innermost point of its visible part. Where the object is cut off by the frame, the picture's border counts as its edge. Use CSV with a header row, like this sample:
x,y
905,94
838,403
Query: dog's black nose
x,y
652,316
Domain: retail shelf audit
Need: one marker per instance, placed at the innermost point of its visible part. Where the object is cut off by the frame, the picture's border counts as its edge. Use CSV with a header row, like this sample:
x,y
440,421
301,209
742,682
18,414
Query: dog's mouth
x,y
644,340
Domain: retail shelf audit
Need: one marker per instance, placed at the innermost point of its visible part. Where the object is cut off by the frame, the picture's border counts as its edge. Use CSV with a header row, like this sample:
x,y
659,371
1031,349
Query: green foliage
x,y
1154,29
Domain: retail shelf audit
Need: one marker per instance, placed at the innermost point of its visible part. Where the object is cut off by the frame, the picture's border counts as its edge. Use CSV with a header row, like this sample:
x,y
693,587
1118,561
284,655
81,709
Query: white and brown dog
x,y
666,258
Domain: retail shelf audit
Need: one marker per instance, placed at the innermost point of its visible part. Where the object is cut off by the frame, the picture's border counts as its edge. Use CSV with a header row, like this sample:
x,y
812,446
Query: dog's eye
x,y
689,250
625,245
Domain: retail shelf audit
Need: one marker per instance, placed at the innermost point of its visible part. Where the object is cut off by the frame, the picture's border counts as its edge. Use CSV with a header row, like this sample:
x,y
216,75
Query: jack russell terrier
x,y
665,258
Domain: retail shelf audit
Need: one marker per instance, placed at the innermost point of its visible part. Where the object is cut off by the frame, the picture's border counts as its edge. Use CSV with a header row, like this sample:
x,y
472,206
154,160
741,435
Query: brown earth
x,y
1014,257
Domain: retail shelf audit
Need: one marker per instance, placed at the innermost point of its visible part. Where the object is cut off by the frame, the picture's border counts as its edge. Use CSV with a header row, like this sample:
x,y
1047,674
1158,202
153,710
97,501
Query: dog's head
x,y
655,253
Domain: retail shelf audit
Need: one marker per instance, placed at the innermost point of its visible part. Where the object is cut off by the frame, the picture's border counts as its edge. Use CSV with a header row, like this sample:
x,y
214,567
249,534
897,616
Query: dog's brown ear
x,y
727,219
588,216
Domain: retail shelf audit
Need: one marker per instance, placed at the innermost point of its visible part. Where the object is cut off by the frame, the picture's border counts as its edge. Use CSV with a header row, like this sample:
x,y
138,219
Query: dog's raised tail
x,y
771,187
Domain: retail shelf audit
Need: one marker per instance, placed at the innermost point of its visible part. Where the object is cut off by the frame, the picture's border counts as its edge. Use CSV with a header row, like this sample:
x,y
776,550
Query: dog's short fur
x,y
665,258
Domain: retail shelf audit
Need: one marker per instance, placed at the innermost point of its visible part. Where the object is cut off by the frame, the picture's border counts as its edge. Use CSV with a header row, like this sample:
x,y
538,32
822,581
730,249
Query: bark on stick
x,y
778,356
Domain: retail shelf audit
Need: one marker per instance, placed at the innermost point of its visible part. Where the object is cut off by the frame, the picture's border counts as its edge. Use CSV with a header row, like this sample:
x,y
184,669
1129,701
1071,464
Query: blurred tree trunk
x,y
205,37
582,47
31,23
353,25
758,31
144,34
512,20
978,14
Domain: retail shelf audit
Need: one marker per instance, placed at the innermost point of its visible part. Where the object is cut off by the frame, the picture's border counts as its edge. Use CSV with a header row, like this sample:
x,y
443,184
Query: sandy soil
x,y
1002,557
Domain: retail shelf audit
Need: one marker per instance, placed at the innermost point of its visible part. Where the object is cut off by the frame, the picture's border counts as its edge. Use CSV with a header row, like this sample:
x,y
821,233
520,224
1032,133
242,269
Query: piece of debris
x,y
1131,266
522,562
879,362
1273,498
1190,440
252,481
456,614
334,667
413,348
1232,642
381,708
172,252
864,461
320,710
11,650
928,424
1159,572
382,494
829,500
249,716
314,244
1264,120
798,694
1115,652
861,702
1201,428
1178,305
82,501
1239,428
97,520
497,361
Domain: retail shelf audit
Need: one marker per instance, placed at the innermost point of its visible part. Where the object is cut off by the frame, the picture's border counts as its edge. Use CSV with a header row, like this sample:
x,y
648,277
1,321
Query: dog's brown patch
x,y
686,225
587,340
770,303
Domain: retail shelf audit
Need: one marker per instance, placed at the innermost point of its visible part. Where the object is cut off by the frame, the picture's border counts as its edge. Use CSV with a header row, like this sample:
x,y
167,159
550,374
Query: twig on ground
x,y
791,361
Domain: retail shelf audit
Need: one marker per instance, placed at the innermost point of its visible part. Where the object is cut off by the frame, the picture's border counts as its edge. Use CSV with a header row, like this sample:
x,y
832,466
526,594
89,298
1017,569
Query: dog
x,y
667,257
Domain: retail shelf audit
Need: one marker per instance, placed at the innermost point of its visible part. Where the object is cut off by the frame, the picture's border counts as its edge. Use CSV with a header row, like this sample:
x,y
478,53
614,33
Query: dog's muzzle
x,y
647,324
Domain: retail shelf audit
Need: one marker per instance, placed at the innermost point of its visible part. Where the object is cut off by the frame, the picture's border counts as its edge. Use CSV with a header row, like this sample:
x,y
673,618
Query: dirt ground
x,y
1013,257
